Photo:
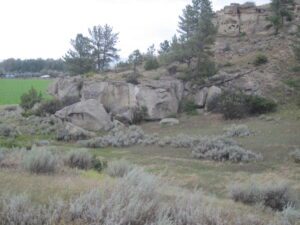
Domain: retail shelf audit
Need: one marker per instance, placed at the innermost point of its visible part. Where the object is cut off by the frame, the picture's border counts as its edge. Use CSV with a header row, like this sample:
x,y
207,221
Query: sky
x,y
44,28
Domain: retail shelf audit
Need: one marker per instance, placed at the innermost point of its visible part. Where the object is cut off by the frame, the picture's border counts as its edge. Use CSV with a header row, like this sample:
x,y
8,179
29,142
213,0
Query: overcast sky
x,y
43,28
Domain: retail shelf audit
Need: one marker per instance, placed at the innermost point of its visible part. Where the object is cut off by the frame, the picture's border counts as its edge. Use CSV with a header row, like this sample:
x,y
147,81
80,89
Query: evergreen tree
x,y
103,41
164,47
197,36
78,59
135,59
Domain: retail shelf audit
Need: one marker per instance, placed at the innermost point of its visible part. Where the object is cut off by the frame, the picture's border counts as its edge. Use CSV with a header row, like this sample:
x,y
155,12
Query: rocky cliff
x,y
247,19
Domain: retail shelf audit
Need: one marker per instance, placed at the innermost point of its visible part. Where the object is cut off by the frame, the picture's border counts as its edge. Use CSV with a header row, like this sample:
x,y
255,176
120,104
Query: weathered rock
x,y
247,18
169,121
72,132
200,97
89,115
212,96
160,98
66,87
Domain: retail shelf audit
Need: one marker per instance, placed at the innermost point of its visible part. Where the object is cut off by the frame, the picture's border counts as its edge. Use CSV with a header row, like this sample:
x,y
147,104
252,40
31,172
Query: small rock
x,y
42,143
169,121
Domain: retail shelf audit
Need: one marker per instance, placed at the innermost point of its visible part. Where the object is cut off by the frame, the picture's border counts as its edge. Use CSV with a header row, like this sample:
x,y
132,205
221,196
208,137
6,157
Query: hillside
x,y
160,149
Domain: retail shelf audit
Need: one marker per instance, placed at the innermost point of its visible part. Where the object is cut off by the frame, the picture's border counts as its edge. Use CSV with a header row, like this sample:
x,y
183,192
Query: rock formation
x,y
89,115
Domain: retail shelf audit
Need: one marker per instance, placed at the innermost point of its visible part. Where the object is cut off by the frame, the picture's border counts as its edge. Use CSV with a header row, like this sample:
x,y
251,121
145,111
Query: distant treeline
x,y
32,66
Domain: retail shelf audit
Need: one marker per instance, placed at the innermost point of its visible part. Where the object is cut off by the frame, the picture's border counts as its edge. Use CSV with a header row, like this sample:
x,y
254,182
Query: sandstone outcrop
x,y
159,98
89,115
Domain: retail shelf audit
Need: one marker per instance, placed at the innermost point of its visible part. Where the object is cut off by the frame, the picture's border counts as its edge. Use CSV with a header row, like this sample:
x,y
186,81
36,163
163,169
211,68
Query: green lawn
x,y
12,89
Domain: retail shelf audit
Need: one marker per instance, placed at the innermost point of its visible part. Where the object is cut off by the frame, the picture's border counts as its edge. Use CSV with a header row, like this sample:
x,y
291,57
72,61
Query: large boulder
x,y
213,95
160,98
89,115
123,100
66,87
119,98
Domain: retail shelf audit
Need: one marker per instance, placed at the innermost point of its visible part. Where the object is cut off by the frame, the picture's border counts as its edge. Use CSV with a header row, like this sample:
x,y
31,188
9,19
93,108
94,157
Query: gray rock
x,y
200,97
66,87
121,99
169,121
89,115
212,96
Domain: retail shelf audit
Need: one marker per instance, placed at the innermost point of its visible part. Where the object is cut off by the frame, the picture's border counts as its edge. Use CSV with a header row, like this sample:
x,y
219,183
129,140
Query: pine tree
x,y
103,41
197,36
79,59
135,59
164,47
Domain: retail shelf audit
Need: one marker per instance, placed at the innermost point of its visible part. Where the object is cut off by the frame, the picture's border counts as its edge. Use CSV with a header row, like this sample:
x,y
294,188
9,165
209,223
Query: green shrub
x,y
151,64
189,107
54,105
236,105
48,107
80,159
260,105
29,99
40,161
260,59
98,164
233,105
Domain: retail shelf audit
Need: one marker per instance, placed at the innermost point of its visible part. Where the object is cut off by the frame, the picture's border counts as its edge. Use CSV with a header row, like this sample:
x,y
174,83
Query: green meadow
x,y
12,89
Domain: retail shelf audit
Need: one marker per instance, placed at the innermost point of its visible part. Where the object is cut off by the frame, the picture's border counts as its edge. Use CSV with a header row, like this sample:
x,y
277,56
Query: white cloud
x,y
43,28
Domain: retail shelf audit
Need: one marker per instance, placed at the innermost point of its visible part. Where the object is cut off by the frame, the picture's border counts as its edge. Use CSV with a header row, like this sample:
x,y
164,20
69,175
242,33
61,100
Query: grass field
x,y
12,89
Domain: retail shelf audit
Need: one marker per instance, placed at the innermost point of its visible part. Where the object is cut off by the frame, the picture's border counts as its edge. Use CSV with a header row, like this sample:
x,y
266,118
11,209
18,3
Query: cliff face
x,y
248,19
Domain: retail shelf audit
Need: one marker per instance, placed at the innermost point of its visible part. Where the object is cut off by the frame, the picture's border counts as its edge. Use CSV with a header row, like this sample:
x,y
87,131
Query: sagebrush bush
x,y
260,59
19,210
277,196
240,130
134,200
222,149
7,130
40,161
296,155
87,207
119,136
80,159
118,168
29,99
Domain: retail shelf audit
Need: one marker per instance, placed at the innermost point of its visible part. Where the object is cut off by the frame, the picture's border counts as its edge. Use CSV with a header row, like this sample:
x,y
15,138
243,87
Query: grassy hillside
x,y
12,89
